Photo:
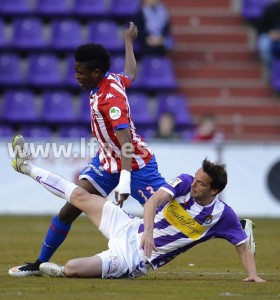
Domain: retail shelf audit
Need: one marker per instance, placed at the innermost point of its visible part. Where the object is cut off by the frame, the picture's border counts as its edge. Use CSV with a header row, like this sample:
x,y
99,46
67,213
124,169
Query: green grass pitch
x,y
208,271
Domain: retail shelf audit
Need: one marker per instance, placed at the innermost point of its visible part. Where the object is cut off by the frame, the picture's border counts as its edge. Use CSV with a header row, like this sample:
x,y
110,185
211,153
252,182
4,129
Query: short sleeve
x,y
179,186
125,79
229,228
117,112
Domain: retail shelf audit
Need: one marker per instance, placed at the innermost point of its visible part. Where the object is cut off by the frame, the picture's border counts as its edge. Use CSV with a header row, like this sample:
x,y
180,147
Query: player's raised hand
x,y
131,32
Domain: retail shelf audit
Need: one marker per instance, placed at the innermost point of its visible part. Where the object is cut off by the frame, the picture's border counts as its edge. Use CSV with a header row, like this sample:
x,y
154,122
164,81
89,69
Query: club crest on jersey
x,y
208,219
174,182
115,113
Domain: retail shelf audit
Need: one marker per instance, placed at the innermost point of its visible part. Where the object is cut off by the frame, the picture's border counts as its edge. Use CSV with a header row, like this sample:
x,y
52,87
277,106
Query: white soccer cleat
x,y
21,155
248,227
52,270
29,269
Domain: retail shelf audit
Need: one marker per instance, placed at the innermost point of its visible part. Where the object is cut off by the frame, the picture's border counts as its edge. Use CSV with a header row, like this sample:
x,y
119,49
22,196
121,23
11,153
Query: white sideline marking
x,y
210,273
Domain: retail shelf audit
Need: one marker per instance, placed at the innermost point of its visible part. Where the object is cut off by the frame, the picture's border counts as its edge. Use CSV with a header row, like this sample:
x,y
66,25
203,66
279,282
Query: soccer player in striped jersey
x,y
181,214
124,161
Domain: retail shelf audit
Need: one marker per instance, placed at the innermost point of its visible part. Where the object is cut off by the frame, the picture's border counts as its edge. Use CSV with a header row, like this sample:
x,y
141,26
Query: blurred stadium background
x,y
214,68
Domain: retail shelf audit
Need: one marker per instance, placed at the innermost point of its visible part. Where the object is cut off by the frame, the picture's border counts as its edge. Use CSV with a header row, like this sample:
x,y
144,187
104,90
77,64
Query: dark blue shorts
x,y
144,182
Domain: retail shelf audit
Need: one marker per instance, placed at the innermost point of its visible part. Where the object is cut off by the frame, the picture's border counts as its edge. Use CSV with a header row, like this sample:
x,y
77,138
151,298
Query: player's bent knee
x,y
71,269
79,195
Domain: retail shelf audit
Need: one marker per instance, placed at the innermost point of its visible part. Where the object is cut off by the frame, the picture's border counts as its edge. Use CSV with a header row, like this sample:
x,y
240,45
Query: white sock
x,y
54,183
26,168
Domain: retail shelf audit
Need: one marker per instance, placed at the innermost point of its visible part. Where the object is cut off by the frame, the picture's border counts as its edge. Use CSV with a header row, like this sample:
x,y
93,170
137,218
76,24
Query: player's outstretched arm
x,y
147,241
130,61
248,262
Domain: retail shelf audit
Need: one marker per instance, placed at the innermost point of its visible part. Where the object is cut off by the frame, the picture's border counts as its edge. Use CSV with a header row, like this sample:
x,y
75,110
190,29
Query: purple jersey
x,y
183,223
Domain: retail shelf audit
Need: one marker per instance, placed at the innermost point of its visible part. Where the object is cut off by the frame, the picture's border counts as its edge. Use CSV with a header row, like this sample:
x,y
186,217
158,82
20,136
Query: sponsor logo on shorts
x,y
96,170
113,265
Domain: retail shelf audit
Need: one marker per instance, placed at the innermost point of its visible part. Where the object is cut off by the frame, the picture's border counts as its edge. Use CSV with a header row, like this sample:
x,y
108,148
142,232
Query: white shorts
x,y
123,258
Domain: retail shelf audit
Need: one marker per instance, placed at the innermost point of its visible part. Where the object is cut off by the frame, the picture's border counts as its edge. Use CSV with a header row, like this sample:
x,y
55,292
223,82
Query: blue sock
x,y
56,234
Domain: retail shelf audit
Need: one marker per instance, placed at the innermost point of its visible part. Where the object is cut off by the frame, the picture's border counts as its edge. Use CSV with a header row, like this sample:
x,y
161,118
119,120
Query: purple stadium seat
x,y
6,131
66,34
74,132
107,34
10,69
44,70
53,7
187,134
36,132
125,8
156,73
19,106
252,9
146,133
28,34
117,64
70,72
15,7
3,39
91,8
177,105
275,75
58,107
84,114
140,109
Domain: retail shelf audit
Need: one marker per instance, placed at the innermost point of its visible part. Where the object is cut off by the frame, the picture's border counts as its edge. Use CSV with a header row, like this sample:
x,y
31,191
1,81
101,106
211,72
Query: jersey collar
x,y
95,90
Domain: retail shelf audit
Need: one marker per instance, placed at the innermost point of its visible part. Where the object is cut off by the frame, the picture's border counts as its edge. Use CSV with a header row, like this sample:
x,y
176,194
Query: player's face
x,y
86,78
201,189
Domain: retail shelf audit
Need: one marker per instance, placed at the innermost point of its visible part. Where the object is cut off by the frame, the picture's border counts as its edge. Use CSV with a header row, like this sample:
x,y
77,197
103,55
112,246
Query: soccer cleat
x,y
248,227
52,270
29,269
21,155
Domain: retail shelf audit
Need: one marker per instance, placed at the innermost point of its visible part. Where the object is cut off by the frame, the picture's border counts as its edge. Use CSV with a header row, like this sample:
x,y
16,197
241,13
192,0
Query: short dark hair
x,y
217,173
94,56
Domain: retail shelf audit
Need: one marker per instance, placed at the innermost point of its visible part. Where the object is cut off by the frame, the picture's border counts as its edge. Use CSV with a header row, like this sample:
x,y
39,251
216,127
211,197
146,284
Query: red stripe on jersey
x,y
110,108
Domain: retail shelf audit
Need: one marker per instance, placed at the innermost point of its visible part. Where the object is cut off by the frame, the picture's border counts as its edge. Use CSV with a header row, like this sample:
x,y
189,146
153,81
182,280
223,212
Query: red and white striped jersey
x,y
110,111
